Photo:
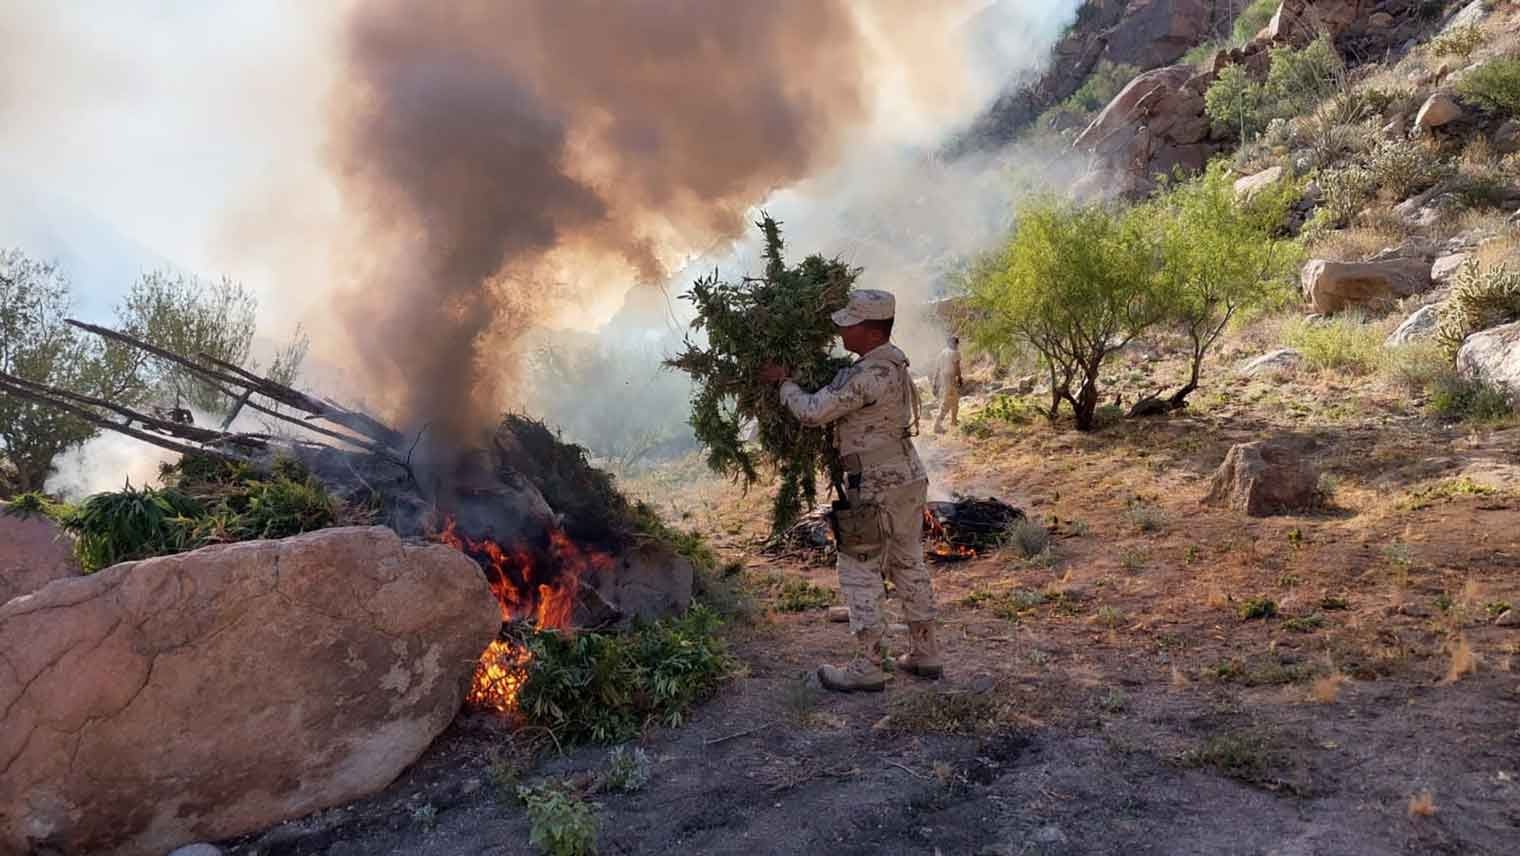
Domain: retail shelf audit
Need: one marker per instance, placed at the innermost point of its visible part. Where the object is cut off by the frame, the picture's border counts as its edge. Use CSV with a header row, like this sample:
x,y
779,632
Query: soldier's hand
x,y
773,373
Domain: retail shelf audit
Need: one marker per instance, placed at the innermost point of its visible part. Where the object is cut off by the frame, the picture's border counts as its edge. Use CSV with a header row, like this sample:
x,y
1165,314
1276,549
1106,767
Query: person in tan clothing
x,y
873,407
947,385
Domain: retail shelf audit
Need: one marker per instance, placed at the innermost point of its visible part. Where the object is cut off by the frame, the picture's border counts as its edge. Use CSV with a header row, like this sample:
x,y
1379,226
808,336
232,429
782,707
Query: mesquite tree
x,y
780,317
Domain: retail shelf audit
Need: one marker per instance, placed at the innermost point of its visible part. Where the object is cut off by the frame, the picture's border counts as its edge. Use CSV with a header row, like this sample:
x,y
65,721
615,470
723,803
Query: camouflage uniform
x,y
947,387
871,406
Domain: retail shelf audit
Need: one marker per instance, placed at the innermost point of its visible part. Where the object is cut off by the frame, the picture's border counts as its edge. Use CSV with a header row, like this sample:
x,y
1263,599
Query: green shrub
x,y
1252,19
1234,103
26,504
999,410
1480,298
561,823
1344,343
131,524
799,595
1404,167
1459,42
281,508
1029,537
1106,81
1467,399
604,688
1258,608
1299,79
1344,191
1495,85
1417,366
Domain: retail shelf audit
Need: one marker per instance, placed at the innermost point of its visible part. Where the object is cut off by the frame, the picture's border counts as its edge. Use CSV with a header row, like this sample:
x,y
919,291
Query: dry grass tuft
x,y
1463,661
1327,690
1422,804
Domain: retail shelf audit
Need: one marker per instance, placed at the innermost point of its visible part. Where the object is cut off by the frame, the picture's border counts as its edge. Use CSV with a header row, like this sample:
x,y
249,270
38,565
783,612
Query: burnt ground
x,y
1105,696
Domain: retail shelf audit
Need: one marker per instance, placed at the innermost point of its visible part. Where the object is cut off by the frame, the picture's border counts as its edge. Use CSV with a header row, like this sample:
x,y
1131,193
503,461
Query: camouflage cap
x,y
866,305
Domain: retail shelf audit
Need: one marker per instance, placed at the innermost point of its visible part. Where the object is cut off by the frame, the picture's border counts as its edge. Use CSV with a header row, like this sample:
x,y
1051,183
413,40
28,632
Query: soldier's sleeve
x,y
849,392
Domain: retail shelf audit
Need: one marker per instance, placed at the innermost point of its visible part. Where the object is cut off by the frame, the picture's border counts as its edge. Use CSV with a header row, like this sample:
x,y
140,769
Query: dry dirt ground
x,y
1106,696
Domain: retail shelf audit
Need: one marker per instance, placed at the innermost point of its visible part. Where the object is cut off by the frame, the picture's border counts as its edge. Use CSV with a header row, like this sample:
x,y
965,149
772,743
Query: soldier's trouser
x,y
902,561
949,404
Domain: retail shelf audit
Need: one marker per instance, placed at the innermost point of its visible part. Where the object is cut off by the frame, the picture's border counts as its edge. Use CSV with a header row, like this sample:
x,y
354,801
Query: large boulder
x,y
1263,478
1154,124
1272,362
1250,185
1493,356
1332,286
209,694
1156,32
34,551
1447,266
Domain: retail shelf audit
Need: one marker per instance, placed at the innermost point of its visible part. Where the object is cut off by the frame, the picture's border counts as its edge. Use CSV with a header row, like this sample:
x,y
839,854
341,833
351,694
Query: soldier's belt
x,y
887,453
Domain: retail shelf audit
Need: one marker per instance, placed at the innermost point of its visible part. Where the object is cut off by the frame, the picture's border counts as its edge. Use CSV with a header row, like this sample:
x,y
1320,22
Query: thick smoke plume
x,y
503,158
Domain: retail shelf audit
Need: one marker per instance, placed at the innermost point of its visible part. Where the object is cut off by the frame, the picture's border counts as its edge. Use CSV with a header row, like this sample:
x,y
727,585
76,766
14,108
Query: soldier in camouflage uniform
x,y
873,407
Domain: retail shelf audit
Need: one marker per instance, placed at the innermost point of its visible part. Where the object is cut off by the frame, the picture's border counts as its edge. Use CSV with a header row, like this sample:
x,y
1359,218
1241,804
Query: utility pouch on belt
x,y
857,529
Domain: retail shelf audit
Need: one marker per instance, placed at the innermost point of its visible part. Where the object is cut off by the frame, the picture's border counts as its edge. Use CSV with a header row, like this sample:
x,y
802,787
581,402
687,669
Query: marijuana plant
x,y
781,317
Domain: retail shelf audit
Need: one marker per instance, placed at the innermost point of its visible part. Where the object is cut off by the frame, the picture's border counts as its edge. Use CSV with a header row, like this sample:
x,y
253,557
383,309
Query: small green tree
x,y
1234,101
1074,283
189,317
37,346
1217,252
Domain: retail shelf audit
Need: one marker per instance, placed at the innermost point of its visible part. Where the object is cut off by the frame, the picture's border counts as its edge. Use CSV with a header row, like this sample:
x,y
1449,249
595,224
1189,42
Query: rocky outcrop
x,y
1333,286
1446,267
1152,126
34,551
1263,478
208,694
1493,356
1421,324
1141,33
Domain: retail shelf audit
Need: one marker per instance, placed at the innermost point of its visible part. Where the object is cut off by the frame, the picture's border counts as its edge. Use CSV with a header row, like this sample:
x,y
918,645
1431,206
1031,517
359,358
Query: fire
x,y
940,546
537,584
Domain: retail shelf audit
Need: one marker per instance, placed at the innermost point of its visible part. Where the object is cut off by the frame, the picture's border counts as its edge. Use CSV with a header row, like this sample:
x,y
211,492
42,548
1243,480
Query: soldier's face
x,y
858,338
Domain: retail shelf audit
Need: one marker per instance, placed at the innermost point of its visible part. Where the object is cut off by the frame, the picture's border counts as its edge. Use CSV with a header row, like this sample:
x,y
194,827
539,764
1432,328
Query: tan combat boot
x,y
923,657
863,674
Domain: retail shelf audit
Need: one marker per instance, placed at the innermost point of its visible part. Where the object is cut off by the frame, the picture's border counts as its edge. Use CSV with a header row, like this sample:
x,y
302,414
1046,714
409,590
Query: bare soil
x,y
1106,696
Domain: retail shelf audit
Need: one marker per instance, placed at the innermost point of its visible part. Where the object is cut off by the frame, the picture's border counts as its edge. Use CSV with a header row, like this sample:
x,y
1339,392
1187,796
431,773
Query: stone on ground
x,y
1447,266
1439,109
1263,478
1420,325
205,695
1249,186
1493,356
1333,286
34,551
1280,360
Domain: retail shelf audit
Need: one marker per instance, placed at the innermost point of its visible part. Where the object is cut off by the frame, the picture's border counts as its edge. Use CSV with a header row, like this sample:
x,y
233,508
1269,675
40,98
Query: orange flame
x,y
940,544
503,668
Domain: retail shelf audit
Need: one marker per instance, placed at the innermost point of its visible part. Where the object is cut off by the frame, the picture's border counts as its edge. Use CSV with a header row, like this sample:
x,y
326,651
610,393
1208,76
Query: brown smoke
x,y
489,151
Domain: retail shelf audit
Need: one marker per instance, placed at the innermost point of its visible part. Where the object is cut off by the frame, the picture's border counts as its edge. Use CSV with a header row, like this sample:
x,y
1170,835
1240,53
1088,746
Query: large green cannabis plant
x,y
782,317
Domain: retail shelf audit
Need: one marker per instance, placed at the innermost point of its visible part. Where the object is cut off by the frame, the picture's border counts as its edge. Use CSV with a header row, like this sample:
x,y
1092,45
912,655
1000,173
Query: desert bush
x,y
24,505
1234,103
1252,19
1495,85
603,688
561,823
1343,192
1029,537
999,410
1073,284
1481,297
1404,167
1452,396
1345,343
1417,366
799,595
1458,42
